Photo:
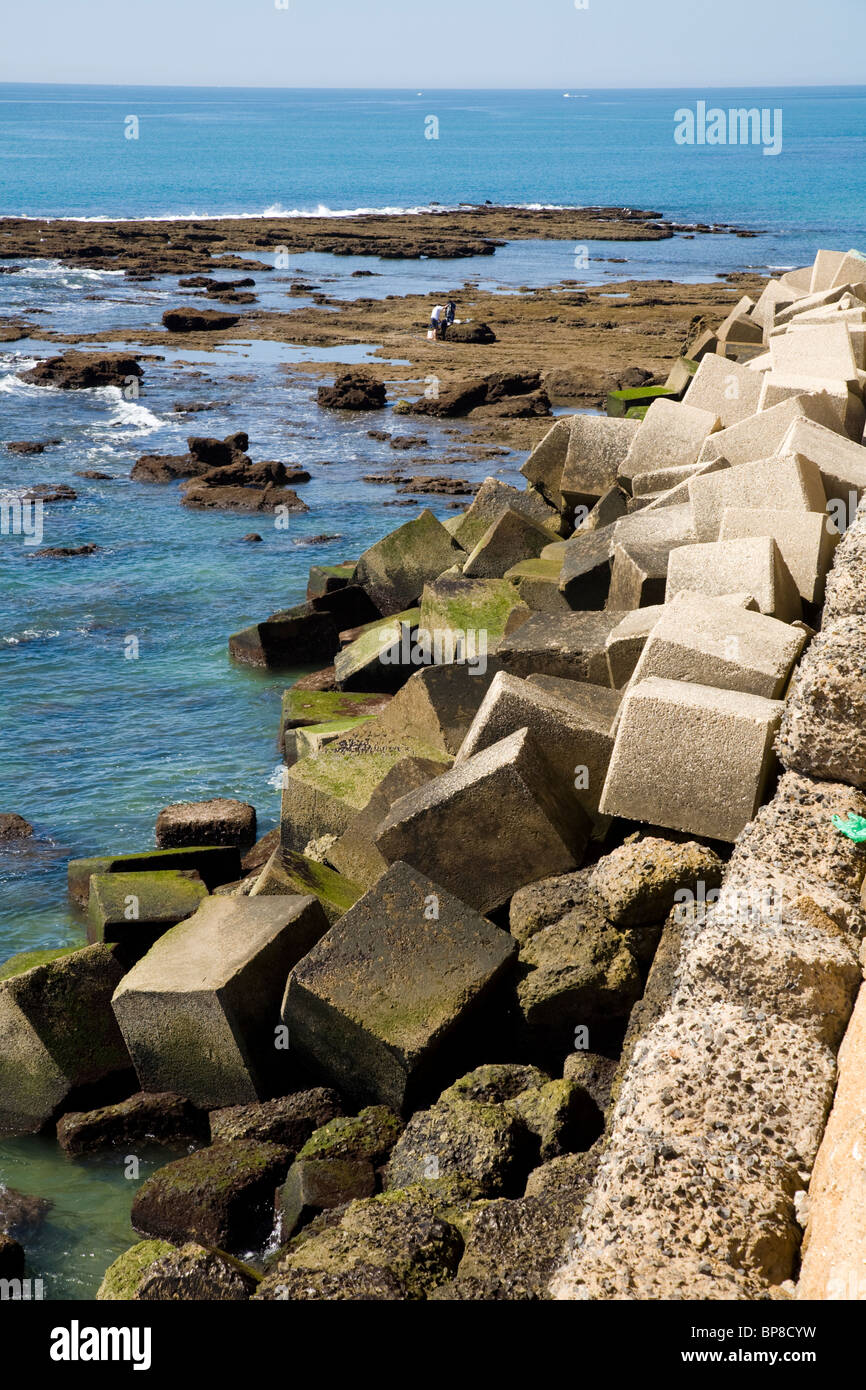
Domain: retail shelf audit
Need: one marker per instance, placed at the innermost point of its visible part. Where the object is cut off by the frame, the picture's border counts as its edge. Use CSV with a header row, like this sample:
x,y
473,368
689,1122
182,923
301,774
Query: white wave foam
x,y
30,634
128,414
68,275
277,210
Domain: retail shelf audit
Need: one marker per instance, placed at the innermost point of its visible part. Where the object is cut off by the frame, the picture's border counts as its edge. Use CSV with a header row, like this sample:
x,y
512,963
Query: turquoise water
x,y
93,744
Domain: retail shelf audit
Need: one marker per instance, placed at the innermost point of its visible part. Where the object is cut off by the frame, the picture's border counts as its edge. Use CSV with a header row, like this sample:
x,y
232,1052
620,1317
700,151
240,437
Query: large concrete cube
x,y
671,435
454,828
840,461
199,1012
597,446
724,388
807,541
691,758
791,483
571,645
708,641
753,566
394,570
389,996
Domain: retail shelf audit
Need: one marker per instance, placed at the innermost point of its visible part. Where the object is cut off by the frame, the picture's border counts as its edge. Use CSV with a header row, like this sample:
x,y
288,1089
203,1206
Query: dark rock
x,y
195,1273
65,552
300,636
59,492
155,468
320,1184
24,446
197,320
79,371
20,1215
471,333
146,1118
252,536
466,1139
353,390
222,1196
289,1121
369,1136
14,827
96,475
203,497
221,821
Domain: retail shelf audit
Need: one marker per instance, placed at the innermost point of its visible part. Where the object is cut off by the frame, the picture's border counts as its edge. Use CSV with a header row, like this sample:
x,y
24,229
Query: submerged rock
x,y
14,827
146,1118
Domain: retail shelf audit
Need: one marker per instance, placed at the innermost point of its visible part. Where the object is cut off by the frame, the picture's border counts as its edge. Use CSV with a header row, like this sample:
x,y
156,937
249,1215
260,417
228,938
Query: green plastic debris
x,y
854,828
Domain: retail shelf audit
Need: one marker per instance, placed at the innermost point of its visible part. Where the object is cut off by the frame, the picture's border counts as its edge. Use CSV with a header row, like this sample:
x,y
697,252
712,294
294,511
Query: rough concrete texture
x,y
793,482
807,542
639,882
724,567
453,828
671,435
569,645
841,461
724,388
834,1246
846,583
823,731
491,500
708,641
691,758
597,446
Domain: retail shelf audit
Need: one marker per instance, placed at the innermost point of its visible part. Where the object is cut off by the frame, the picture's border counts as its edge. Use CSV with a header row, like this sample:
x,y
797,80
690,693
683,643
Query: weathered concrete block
x,y
665,528
214,864
452,829
793,483
299,636
586,568
807,542
724,567
824,269
464,606
760,436
383,999
834,1249
490,501
220,821
508,540
823,731
394,570
595,702
198,1013
313,1185
381,658
707,641
724,388
577,744
543,468
838,395
135,909
639,576
355,853
438,703
287,874
624,645
58,1035
840,461
571,645
671,435
691,758
301,708
597,446
821,350
537,584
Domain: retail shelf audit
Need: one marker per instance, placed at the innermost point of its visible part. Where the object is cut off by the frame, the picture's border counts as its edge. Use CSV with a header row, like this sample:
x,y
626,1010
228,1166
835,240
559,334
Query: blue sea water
x,y
92,743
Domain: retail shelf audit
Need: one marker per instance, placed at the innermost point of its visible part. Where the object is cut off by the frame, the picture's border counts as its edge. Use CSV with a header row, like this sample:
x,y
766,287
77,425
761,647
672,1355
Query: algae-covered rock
x,y
594,1072
320,1184
289,1120
561,1115
20,1214
639,883
467,1139
304,707
579,975
145,1118
57,1034
539,904
381,657
395,1246
222,1195
195,1273
456,604
122,1278
494,1084
369,1135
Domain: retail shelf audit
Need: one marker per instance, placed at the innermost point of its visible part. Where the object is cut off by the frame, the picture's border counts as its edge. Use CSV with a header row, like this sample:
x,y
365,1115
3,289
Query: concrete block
x,y
355,854
391,993
135,909
821,350
453,829
394,570
725,389
847,407
807,541
691,758
215,865
576,744
759,436
375,662
678,496
707,641
571,645
288,874
792,481
586,568
460,605
824,269
537,584
639,576
724,567
624,645
491,500
666,527
198,1013
824,729
671,435
597,447
840,461
508,540
543,468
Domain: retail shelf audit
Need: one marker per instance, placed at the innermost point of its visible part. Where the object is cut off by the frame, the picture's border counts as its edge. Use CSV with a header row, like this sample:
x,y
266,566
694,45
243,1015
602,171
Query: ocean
x,y
93,744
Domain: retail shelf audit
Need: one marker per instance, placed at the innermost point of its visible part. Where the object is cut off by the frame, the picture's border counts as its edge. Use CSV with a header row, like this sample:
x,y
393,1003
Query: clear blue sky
x,y
436,43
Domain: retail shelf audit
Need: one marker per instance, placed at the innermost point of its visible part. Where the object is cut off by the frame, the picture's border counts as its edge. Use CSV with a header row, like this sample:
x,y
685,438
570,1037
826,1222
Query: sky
x,y
436,43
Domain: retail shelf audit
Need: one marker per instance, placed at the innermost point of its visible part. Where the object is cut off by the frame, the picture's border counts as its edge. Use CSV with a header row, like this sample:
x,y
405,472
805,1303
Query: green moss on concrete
x,y
620,402
28,960
304,707
164,896
368,1136
122,1278
351,770
461,605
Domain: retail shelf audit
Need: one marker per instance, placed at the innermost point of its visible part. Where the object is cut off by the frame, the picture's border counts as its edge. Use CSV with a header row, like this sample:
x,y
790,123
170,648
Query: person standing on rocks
x,y
450,313
437,321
